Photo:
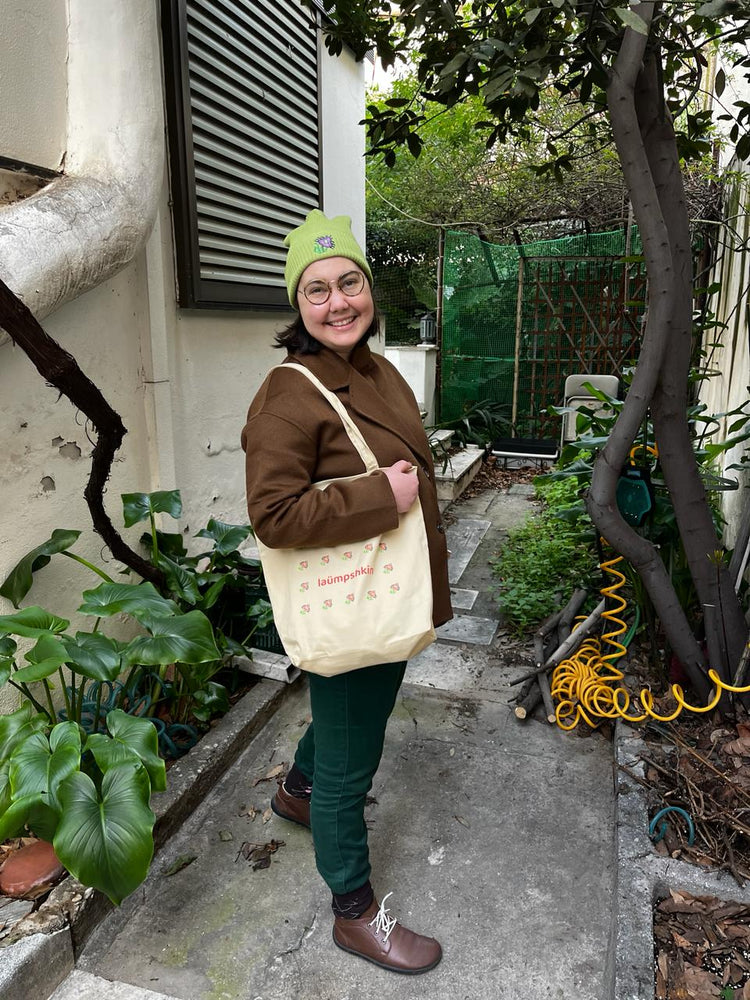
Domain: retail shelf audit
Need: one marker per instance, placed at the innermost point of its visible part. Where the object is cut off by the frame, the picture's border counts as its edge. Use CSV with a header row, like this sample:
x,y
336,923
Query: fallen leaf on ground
x,y
270,775
462,821
267,814
259,855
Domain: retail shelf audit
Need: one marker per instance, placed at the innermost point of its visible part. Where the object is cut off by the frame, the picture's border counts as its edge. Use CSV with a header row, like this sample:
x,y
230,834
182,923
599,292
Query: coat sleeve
x,y
287,511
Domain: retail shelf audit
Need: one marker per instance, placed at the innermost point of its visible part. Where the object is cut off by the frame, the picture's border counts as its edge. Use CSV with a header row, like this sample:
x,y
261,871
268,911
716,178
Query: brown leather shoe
x,y
382,940
290,807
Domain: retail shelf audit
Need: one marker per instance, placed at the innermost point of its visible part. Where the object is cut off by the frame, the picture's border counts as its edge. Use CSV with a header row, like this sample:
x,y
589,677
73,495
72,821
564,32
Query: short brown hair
x,y
297,340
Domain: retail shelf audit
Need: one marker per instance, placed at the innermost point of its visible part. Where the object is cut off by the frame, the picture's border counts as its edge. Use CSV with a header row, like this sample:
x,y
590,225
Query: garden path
x,y
495,836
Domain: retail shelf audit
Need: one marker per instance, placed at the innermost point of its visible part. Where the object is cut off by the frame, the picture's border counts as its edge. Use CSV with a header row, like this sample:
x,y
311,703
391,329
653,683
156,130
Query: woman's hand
x,y
404,485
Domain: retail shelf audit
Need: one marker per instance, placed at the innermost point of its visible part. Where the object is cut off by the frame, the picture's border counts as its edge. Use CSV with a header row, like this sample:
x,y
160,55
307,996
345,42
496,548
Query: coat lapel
x,y
368,394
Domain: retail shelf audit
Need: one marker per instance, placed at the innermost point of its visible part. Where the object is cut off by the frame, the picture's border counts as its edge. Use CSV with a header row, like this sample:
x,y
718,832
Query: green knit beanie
x,y
319,237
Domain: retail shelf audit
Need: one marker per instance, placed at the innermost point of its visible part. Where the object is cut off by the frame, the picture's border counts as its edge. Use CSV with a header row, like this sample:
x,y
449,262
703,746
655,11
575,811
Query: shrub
x,y
544,560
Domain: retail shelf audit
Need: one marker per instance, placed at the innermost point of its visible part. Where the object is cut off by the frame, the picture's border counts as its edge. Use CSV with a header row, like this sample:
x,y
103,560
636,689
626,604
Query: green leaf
x,y
179,580
720,82
17,726
213,593
32,623
15,817
227,537
210,700
39,765
47,655
105,838
8,648
94,655
5,792
141,600
185,639
139,506
632,20
139,736
18,582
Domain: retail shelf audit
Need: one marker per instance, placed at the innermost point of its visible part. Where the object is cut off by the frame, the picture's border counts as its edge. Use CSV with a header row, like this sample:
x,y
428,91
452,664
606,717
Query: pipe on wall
x,y
88,224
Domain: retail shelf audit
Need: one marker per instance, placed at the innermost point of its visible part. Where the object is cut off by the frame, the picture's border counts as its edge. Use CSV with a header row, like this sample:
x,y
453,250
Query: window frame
x,y
194,291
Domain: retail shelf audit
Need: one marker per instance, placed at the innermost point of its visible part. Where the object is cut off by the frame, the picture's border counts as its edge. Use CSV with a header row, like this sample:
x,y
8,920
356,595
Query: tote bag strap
x,y
353,432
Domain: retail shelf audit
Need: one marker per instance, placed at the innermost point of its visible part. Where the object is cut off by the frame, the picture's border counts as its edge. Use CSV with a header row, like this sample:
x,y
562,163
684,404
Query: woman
x,y
292,439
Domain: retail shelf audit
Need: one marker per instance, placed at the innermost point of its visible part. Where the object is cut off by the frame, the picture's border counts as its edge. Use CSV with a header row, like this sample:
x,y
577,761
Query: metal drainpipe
x,y
87,225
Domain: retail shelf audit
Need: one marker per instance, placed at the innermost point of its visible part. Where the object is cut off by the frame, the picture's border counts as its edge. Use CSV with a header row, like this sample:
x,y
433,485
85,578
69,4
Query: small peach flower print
x,y
305,609
371,595
328,603
303,564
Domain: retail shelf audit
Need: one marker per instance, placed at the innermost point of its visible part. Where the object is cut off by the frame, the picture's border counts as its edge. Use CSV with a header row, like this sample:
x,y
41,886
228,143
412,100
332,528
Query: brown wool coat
x,y
294,438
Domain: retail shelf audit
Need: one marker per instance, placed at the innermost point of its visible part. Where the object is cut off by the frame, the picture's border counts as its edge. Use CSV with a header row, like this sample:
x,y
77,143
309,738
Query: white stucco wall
x,y
33,82
181,380
728,349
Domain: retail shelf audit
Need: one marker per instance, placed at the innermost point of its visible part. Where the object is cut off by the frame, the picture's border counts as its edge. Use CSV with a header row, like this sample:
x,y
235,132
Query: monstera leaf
x,y
105,837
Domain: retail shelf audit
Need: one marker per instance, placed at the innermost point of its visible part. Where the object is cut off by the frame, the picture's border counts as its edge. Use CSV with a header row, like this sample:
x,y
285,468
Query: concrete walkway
x,y
494,836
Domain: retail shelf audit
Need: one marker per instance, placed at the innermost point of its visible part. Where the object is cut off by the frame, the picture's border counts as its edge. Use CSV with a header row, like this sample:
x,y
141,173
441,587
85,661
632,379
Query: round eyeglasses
x,y
319,291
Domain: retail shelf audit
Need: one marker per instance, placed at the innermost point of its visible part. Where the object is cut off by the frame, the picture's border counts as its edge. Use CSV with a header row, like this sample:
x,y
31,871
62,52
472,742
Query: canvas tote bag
x,y
341,607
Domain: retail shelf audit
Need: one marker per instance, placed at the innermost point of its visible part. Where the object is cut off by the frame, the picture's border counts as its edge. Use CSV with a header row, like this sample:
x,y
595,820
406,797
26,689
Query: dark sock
x,y
297,784
351,905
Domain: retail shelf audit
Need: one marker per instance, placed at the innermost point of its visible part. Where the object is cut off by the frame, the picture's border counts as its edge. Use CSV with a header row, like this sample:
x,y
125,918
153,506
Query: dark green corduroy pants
x,y
340,753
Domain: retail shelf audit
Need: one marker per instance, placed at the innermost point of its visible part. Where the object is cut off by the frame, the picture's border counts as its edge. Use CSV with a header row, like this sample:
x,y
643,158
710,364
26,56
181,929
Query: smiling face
x,y
341,321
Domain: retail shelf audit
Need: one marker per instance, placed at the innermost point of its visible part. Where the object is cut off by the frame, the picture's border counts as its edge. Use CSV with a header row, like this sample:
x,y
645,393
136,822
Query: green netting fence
x,y
517,320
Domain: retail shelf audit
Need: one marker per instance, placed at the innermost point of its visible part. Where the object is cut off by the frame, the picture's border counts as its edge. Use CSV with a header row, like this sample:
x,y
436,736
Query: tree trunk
x,y
602,505
60,369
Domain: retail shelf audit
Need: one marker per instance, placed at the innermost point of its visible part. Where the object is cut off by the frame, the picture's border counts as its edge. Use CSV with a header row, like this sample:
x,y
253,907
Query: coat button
x,y
440,528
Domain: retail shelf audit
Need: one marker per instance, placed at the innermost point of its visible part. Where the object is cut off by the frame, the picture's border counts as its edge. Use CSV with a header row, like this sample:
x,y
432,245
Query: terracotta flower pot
x,y
30,870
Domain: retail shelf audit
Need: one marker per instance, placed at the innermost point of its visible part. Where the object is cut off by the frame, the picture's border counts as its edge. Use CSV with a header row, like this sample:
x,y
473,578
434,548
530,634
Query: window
x,y
242,99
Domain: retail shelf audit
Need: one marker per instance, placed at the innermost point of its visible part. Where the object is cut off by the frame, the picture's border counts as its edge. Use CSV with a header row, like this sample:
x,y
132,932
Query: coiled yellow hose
x,y
586,685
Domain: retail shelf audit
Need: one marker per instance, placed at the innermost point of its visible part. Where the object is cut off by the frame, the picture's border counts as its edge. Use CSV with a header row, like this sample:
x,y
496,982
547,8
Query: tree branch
x,y
60,369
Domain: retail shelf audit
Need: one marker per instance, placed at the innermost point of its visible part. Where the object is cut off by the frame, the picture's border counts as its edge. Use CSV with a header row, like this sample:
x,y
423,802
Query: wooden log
x,y
568,613
549,706
547,626
524,708
572,643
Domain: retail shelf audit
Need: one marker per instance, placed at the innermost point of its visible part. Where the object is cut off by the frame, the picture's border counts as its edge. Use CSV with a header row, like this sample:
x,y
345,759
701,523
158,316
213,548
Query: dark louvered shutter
x,y
244,143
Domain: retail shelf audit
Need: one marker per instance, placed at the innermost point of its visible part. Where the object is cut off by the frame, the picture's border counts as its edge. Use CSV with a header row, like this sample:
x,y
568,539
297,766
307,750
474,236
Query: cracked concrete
x,y
495,837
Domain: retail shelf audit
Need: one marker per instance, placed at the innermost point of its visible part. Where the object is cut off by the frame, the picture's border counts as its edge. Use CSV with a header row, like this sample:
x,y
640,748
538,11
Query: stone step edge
x,y
458,473
81,985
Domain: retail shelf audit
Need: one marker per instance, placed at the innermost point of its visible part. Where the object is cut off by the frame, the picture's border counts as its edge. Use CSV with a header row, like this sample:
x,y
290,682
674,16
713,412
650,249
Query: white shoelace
x,y
383,923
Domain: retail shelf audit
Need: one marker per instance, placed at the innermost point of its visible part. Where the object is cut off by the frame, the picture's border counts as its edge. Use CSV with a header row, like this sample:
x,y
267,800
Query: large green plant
x,y
88,793
85,783
213,582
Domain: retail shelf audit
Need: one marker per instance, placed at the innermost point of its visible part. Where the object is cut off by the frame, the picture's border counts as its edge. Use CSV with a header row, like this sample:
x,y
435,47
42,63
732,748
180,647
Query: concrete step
x,y
458,472
84,986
